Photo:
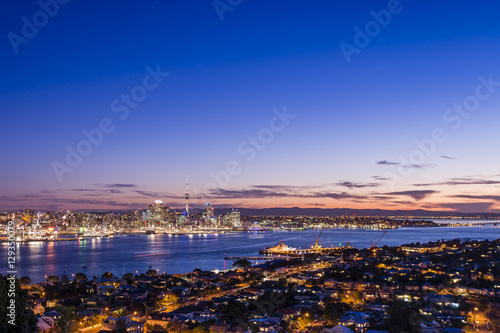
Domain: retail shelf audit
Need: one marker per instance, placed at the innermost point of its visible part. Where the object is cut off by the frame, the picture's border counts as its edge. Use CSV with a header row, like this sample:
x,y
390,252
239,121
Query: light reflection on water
x,y
116,255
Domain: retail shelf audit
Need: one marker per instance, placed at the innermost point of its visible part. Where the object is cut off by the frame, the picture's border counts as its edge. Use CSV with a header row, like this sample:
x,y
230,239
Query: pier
x,y
255,258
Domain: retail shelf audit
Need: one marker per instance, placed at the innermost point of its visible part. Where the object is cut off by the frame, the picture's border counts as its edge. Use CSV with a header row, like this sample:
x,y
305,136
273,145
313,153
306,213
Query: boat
x,y
279,248
84,266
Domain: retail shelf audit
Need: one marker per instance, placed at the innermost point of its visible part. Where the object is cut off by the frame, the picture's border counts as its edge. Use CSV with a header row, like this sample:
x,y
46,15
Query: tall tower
x,y
187,198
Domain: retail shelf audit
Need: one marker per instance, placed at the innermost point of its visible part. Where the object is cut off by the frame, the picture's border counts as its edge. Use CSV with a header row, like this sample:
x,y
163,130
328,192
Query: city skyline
x,y
366,105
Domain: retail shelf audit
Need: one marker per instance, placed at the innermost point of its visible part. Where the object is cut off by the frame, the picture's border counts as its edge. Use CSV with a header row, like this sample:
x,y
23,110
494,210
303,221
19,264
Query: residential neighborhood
x,y
445,286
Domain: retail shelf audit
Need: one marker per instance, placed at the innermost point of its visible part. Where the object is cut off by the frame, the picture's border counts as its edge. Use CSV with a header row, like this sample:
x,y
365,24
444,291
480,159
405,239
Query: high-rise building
x,y
235,218
209,212
187,199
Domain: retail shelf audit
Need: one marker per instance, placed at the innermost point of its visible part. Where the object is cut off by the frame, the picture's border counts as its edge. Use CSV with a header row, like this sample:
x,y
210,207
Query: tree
x,y
24,280
170,298
151,272
403,318
25,321
52,278
233,282
65,278
107,275
128,276
242,263
121,325
67,315
80,276
120,312
334,311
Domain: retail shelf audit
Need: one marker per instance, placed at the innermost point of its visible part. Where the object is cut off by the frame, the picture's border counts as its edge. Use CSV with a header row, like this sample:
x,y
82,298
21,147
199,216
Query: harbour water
x,y
182,253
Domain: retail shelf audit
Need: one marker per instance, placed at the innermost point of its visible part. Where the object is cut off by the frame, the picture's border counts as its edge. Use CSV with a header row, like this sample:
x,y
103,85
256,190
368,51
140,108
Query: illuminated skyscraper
x,y
209,212
235,218
187,199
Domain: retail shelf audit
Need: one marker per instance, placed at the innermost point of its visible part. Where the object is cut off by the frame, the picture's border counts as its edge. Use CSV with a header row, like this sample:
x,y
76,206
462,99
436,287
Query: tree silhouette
x,y
67,315
52,278
80,277
24,280
242,263
25,321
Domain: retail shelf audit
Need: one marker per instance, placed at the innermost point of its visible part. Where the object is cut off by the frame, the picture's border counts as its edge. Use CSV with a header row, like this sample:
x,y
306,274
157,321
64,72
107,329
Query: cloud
x,y
417,194
246,193
47,191
118,185
287,187
419,166
410,166
336,195
381,178
157,194
478,197
448,157
385,162
351,185
257,193
55,203
463,181
97,192
468,207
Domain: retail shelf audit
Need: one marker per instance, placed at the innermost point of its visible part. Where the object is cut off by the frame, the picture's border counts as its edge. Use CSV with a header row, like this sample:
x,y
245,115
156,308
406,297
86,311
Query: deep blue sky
x,y
225,79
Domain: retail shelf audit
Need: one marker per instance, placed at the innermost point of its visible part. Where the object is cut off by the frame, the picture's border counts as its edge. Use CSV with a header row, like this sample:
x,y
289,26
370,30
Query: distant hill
x,y
280,211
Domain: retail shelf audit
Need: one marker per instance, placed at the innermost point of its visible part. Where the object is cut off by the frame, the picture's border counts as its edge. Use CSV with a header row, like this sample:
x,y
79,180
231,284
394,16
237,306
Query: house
x,y
38,309
386,294
358,319
370,295
105,290
268,328
46,324
52,303
219,328
453,330
341,329
330,283
132,326
288,312
52,314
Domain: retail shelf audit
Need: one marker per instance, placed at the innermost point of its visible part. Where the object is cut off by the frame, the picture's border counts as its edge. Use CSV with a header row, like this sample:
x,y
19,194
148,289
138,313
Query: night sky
x,y
329,104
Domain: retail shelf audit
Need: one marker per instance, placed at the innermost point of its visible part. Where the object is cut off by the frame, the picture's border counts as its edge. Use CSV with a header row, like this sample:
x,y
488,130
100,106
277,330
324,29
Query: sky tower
x,y
187,198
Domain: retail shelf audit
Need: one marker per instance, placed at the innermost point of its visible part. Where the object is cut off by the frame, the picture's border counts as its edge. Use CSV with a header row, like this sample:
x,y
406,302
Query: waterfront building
x,y
235,218
209,212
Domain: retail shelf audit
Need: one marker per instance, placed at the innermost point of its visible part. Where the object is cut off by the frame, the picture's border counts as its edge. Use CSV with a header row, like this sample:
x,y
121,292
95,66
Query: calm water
x,y
117,255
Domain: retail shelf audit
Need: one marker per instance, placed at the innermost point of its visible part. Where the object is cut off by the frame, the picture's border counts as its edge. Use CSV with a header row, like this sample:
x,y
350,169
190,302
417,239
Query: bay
x,y
183,253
